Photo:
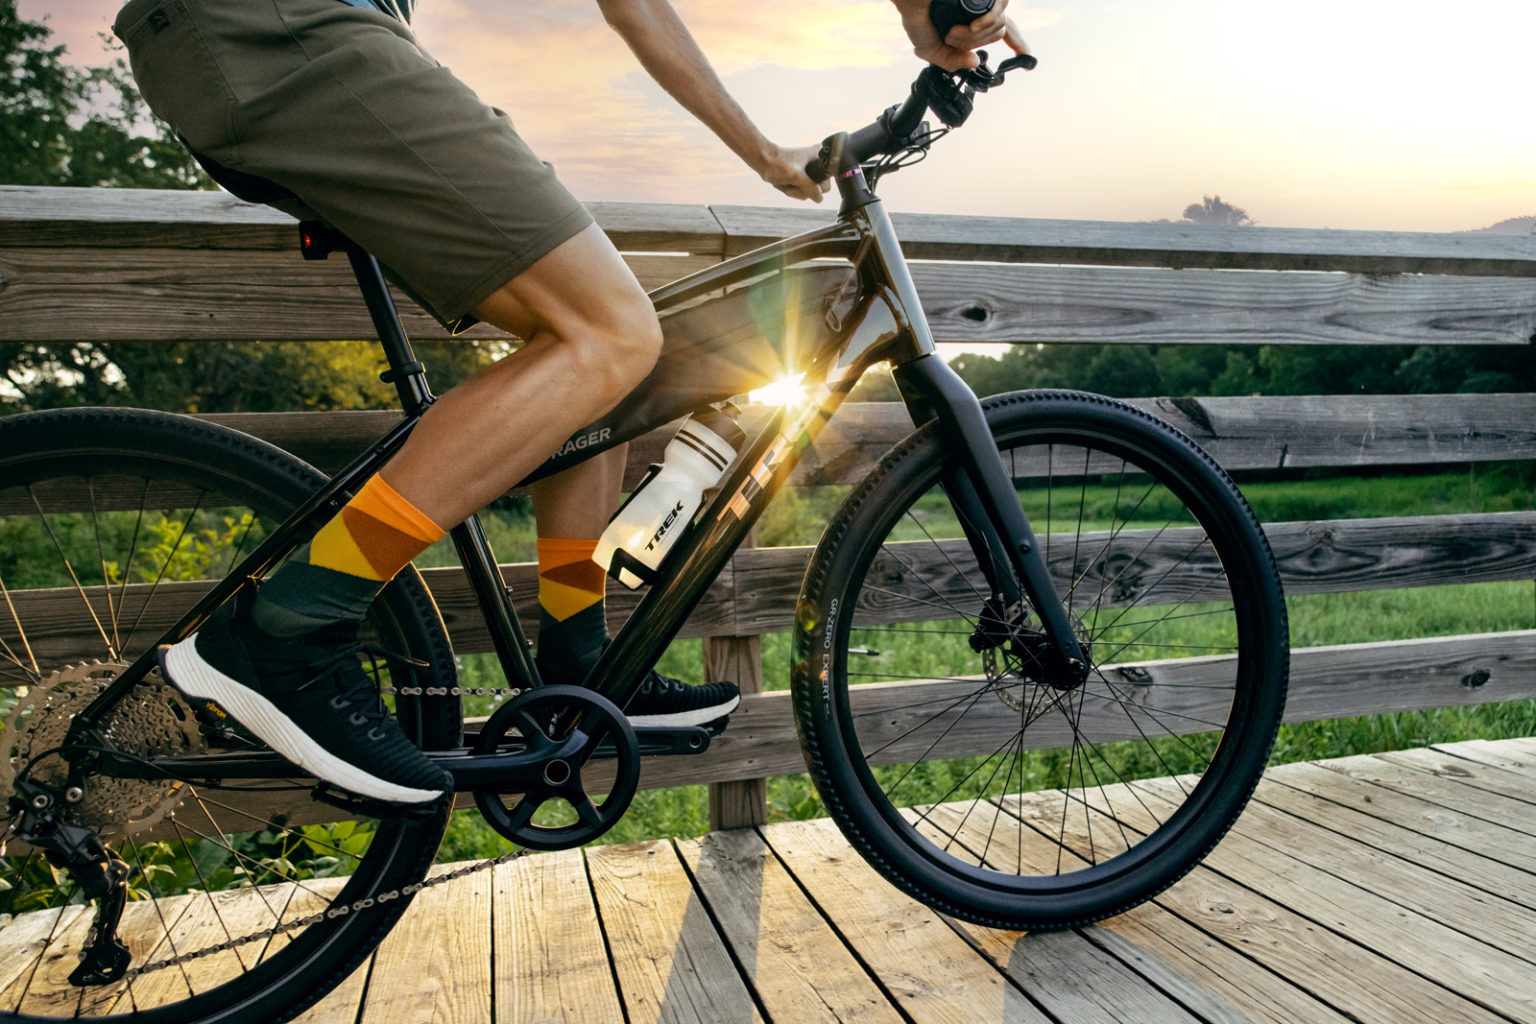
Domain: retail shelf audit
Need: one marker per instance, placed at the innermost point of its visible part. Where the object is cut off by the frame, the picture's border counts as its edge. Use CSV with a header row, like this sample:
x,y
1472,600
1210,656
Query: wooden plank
x,y
1331,556
1341,782
1073,979
671,963
1505,925
794,961
1213,979
208,920
1284,788
1204,926
1479,971
1025,240
551,963
1364,984
24,946
1326,682
1514,783
1247,433
1251,433
1022,305
166,294
1070,974
1449,789
218,295
1518,755
435,965
139,218
928,970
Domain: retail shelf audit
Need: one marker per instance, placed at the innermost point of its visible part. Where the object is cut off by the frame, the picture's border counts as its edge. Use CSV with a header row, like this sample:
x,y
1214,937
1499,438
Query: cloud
x,y
581,99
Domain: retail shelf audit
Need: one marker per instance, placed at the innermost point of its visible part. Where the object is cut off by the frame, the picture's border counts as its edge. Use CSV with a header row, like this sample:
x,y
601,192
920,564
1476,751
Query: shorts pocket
x,y
179,77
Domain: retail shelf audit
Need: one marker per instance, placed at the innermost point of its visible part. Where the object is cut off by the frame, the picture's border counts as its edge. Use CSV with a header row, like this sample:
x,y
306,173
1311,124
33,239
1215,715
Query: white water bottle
x,y
660,508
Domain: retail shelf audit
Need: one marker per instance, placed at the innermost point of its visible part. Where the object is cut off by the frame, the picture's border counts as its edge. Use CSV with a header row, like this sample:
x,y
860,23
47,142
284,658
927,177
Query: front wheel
x,y
1002,794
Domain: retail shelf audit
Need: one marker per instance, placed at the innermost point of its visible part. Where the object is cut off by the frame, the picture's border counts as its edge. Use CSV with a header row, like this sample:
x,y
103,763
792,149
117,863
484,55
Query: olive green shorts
x,y
341,106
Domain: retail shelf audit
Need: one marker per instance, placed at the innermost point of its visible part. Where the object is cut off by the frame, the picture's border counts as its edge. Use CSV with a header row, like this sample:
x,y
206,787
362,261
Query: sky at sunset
x,y
1387,114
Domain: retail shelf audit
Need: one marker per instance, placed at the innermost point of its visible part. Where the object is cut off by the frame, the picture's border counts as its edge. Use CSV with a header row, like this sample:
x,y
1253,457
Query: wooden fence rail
x,y
125,265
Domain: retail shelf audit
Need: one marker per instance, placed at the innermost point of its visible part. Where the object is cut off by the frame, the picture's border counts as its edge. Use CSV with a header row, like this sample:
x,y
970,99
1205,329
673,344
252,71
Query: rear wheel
x,y
1000,793
112,522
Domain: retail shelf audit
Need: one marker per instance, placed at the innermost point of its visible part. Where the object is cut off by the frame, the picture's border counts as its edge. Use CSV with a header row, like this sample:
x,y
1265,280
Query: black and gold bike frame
x,y
876,316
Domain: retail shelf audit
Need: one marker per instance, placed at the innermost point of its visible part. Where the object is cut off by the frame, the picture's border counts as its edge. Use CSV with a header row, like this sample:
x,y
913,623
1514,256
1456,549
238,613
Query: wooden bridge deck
x,y
1389,888
1397,887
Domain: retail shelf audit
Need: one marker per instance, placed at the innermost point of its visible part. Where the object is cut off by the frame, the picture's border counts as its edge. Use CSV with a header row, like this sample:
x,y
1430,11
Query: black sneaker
x,y
308,699
662,703
666,703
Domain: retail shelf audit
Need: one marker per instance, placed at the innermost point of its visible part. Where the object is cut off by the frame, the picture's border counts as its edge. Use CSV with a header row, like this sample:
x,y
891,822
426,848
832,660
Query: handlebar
x,y
950,94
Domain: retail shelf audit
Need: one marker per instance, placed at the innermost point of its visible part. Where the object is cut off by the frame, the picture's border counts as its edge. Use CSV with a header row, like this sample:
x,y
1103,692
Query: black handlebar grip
x,y
946,14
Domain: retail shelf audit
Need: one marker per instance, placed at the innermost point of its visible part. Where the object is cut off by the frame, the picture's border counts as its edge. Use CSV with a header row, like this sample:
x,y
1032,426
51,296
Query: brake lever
x,y
981,78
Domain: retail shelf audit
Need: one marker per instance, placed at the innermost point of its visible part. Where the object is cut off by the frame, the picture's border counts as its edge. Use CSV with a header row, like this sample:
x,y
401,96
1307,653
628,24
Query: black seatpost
x,y
405,372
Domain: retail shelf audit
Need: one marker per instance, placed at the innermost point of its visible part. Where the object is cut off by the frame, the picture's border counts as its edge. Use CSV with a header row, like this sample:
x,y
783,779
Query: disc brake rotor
x,y
1016,668
154,720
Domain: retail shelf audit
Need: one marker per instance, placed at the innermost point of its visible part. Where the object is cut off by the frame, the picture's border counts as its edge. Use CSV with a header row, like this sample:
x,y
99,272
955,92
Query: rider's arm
x,y
669,54
955,51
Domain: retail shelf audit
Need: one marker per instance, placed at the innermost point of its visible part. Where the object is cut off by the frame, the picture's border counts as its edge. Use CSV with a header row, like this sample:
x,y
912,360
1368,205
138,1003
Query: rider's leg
x,y
592,335
572,508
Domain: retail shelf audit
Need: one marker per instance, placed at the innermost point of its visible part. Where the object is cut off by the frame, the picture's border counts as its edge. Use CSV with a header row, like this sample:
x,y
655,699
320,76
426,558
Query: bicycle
x,y
1078,597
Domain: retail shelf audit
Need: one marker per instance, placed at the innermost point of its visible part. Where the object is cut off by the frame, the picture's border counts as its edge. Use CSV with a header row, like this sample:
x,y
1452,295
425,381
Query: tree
x,y
1212,210
61,125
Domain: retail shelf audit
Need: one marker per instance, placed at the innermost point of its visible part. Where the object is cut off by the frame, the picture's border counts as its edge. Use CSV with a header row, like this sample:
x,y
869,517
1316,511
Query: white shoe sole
x,y
190,674
683,719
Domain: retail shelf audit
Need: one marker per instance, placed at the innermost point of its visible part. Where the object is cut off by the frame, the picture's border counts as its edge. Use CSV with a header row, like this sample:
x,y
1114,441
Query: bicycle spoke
x,y
69,568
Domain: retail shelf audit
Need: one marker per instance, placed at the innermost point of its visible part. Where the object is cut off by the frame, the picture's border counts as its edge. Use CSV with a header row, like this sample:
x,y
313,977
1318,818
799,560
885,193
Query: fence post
x,y
742,803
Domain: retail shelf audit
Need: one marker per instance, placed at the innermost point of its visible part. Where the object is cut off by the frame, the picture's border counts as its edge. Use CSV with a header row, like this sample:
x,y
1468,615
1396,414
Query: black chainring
x,y
562,727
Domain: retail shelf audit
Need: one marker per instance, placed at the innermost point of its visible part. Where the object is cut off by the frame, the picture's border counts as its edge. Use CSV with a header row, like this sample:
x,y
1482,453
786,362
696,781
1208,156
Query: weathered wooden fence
x,y
126,265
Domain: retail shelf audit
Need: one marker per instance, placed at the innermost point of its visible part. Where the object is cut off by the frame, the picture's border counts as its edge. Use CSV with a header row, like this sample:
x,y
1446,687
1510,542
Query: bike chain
x,y
356,906
449,691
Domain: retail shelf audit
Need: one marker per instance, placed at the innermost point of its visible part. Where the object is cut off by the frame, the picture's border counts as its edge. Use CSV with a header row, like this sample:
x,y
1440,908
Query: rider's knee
x,y
621,349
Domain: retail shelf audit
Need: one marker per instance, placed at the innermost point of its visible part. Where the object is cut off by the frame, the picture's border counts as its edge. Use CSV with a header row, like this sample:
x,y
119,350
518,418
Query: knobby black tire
x,y
89,463
942,784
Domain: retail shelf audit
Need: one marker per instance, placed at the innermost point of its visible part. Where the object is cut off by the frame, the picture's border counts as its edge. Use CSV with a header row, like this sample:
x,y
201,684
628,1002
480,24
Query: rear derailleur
x,y
38,812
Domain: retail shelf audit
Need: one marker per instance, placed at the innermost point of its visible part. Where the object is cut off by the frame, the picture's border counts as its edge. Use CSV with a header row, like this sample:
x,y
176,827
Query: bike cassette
x,y
569,797
152,720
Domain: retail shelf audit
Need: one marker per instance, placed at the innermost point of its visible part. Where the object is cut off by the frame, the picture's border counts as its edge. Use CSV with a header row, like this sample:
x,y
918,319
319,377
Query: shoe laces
x,y
354,692
658,685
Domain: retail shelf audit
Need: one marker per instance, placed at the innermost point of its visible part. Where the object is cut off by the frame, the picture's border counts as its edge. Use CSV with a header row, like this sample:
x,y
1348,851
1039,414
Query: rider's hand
x,y
784,169
957,50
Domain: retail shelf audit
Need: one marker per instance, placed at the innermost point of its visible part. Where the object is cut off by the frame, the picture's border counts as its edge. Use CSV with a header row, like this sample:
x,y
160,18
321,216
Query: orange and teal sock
x,y
337,575
572,623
